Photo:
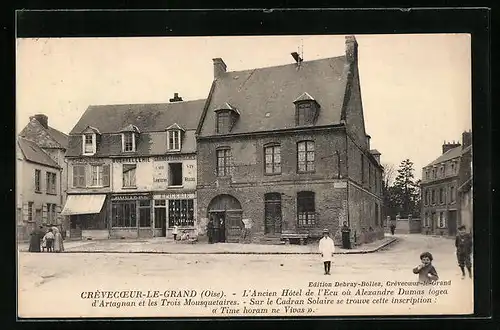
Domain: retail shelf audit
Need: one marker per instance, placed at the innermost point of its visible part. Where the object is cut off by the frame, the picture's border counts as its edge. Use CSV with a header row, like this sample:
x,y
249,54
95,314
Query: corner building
x,y
283,153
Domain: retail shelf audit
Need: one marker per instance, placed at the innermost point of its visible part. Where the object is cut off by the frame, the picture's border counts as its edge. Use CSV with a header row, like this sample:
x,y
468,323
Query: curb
x,y
386,244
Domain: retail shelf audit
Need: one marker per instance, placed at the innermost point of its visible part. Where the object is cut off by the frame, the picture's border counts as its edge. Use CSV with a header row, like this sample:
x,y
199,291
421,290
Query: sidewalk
x,y
167,246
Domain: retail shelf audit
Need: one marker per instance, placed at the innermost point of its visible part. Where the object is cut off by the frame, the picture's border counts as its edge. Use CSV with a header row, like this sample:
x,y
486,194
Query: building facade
x,y
465,188
440,182
40,176
133,170
282,152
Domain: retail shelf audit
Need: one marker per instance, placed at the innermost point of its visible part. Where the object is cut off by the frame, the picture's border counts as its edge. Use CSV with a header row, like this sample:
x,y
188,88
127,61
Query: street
x,y
51,284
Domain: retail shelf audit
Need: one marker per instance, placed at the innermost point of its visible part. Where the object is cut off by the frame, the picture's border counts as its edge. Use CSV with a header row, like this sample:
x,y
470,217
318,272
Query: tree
x,y
406,191
387,193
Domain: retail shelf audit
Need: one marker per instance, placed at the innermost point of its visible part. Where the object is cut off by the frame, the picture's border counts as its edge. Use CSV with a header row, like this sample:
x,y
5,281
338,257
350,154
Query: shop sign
x,y
130,197
174,196
132,160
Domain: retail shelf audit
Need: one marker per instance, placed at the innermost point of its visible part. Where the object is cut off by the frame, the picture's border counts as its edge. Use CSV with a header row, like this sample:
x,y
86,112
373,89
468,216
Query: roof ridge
x,y
155,103
55,129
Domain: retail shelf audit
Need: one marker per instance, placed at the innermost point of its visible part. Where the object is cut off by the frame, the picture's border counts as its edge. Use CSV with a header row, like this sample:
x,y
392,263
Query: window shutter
x,y
105,175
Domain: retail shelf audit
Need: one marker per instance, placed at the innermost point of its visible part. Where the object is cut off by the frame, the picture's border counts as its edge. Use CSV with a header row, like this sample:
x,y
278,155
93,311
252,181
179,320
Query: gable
x,y
45,138
33,153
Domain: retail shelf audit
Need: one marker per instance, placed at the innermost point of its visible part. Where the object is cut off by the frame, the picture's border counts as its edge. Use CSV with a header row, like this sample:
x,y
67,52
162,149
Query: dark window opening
x,y
145,213
175,174
306,208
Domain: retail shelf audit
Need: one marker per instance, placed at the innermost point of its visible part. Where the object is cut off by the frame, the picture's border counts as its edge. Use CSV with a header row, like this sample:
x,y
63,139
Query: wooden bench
x,y
301,237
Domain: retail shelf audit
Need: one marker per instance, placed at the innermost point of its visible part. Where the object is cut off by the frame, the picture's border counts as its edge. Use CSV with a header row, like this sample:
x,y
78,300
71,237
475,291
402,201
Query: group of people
x,y
49,240
426,271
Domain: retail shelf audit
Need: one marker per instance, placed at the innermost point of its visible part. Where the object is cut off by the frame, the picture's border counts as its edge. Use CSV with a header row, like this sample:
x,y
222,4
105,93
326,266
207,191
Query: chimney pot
x,y
219,67
176,98
42,119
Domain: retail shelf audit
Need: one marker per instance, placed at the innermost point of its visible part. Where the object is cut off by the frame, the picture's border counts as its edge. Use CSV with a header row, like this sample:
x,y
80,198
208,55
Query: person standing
x,y
175,231
326,249
210,229
58,240
49,239
36,239
393,228
463,243
346,236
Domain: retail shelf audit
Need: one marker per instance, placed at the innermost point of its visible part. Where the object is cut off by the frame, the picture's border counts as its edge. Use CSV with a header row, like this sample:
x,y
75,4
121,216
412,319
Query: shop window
x,y
124,214
305,156
175,174
51,183
38,175
160,213
180,212
272,154
223,162
129,175
78,176
306,208
145,213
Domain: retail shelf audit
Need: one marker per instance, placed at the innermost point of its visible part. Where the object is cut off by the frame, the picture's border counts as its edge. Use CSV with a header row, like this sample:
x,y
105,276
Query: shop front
x,y
131,216
174,209
87,216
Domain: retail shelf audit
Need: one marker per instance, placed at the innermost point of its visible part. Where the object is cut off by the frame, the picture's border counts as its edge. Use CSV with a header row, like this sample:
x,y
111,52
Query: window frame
x,y
171,140
442,195
51,183
274,165
30,211
170,176
227,156
223,114
38,181
189,211
93,144
453,194
99,182
142,208
307,111
80,176
442,220
310,216
134,168
125,141
307,151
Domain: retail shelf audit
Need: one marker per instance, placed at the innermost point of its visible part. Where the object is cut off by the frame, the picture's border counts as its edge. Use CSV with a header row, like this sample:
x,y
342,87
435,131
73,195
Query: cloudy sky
x,y
416,89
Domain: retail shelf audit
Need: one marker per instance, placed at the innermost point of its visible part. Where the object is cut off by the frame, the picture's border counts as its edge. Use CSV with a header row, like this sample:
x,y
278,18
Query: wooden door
x,y
452,223
272,214
233,226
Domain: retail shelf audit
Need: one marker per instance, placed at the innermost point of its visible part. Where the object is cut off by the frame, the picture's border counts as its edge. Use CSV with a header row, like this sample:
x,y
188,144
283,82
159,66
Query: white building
x,y
133,170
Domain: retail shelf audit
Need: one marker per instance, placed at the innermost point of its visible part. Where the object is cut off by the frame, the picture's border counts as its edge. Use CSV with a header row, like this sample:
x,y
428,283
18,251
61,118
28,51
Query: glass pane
x,y
269,159
277,168
302,156
269,150
310,145
301,146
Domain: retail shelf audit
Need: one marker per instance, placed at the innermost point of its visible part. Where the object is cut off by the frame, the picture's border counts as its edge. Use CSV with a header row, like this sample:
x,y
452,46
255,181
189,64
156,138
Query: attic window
x,y
128,142
89,143
306,110
225,118
174,137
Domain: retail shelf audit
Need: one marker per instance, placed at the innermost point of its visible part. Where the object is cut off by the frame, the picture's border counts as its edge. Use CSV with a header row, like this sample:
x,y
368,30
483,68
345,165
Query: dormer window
x,y
226,116
89,141
306,110
174,137
129,137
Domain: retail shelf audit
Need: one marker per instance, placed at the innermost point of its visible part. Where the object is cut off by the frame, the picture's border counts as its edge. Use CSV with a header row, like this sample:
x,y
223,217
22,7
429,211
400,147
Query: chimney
x,y
351,49
449,146
176,98
376,155
368,138
42,119
466,139
219,67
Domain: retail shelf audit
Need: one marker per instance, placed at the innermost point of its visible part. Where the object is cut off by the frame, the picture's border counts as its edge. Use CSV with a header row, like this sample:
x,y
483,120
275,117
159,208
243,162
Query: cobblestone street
x,y
57,280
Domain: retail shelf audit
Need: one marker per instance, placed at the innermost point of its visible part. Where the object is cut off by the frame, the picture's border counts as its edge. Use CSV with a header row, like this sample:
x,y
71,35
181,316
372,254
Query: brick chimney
x,y
450,145
219,67
176,98
368,138
42,119
351,49
466,139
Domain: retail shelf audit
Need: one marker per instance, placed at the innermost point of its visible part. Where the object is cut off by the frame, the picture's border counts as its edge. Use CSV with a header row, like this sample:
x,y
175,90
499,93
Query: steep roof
x,y
264,97
45,137
59,136
147,117
33,153
450,154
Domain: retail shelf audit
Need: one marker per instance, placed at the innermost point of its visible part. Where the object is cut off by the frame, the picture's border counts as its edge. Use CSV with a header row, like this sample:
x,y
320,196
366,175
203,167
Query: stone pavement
x,y
168,246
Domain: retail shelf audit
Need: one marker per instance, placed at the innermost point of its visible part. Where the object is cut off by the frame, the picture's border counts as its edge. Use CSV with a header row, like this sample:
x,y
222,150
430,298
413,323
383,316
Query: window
x,y
180,212
452,168
441,195
223,122
129,175
426,197
100,175
128,142
305,114
51,183
427,220
369,174
30,211
175,174
160,213
51,213
453,194
272,156
145,213
305,156
174,140
441,172
433,196
442,220
89,144
434,173
306,210
79,176
124,214
224,162
38,174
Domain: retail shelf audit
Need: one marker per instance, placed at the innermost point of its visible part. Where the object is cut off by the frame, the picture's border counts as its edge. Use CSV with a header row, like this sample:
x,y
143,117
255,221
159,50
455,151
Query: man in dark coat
x,y
210,231
346,236
36,239
463,243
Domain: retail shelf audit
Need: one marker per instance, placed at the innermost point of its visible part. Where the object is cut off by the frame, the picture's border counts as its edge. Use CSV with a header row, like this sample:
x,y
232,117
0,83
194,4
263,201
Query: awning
x,y
83,204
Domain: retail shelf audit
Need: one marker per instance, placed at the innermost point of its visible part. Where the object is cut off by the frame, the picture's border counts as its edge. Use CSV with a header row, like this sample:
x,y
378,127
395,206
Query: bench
x,y
301,237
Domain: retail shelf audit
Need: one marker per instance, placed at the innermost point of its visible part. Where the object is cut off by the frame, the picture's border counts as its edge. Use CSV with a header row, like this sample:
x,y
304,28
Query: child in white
x,y
326,248
49,240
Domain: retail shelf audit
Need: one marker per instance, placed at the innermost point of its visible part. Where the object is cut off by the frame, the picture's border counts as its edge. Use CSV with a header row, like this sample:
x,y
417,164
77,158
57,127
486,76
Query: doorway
x,y
272,214
226,214
452,223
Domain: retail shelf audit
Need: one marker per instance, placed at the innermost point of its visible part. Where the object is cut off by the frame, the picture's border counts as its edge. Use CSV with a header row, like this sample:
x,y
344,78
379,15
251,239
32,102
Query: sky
x,y
416,89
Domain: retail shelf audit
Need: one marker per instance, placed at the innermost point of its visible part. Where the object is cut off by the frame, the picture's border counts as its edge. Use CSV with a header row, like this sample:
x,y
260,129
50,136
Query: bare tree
x,y
388,174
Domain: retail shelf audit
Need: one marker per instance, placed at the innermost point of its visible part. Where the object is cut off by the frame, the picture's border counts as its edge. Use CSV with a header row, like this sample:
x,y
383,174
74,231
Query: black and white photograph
x,y
226,176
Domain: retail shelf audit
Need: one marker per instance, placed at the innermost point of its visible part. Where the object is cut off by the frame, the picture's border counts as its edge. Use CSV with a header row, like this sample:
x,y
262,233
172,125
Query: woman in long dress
x,y
36,239
58,240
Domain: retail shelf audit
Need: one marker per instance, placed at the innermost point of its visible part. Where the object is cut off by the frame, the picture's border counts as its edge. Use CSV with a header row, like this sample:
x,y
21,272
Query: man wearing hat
x,y
326,248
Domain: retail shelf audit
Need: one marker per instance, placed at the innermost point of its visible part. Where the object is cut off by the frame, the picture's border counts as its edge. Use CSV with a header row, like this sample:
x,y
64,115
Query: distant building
x,y
40,176
442,181
283,153
132,170
465,182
